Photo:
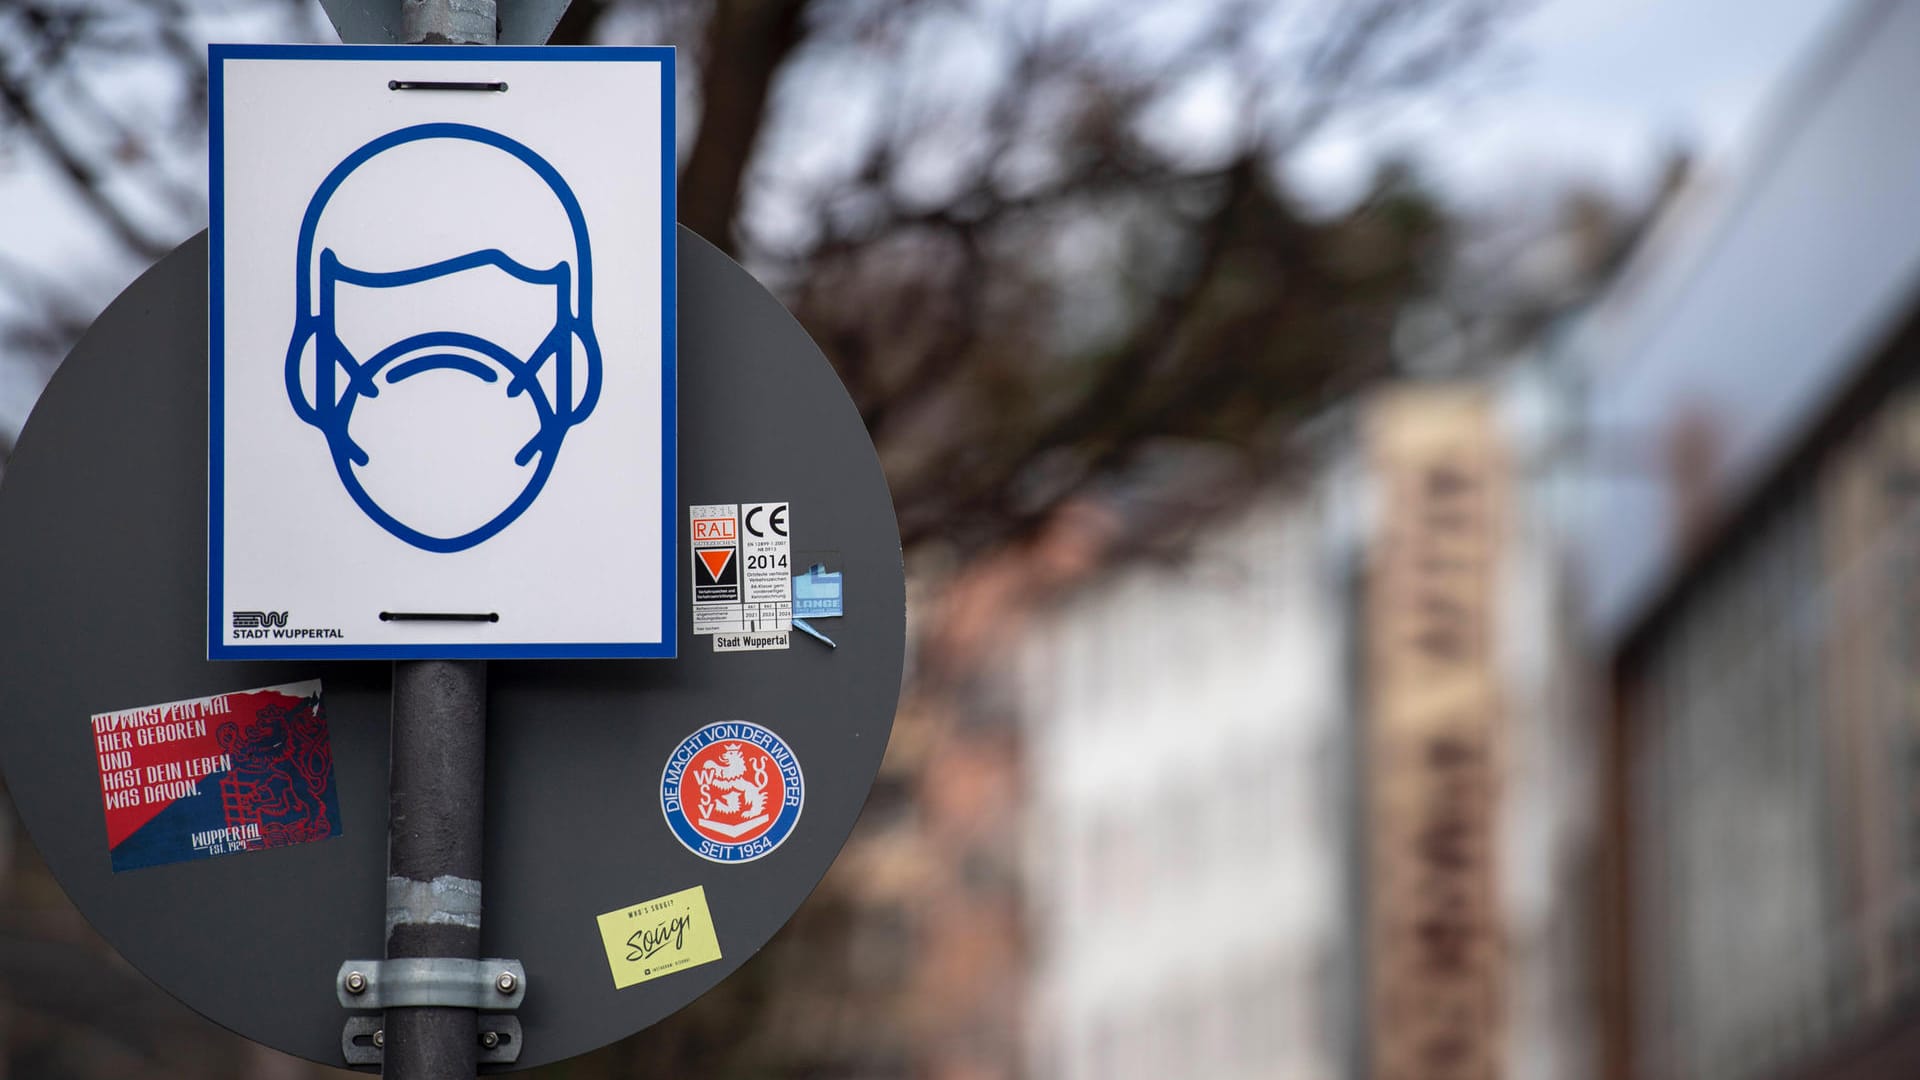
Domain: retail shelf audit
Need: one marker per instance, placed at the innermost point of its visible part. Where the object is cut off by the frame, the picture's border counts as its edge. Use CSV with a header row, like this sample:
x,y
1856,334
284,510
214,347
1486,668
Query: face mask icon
x,y
443,339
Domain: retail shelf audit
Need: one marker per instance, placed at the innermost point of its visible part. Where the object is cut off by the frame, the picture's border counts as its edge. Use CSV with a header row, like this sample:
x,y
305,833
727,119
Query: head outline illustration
x,y
341,380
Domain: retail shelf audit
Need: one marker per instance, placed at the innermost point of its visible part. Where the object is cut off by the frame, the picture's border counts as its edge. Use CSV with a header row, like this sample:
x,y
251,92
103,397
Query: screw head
x,y
380,1037
506,983
356,982
490,1039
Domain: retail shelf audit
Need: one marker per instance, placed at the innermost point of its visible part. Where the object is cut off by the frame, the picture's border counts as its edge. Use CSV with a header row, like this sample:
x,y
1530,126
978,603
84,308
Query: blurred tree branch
x,y
106,102
1229,309
924,245
747,43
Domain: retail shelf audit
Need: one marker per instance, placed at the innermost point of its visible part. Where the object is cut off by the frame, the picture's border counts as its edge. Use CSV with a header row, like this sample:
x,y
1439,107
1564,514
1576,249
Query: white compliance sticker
x,y
766,555
750,642
715,535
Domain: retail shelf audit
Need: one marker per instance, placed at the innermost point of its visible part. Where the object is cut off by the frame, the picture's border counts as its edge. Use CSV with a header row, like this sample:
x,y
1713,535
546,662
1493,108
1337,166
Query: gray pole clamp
x,y
490,986
446,982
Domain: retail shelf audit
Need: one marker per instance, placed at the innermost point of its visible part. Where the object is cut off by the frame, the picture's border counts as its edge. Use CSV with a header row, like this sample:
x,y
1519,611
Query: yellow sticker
x,y
659,937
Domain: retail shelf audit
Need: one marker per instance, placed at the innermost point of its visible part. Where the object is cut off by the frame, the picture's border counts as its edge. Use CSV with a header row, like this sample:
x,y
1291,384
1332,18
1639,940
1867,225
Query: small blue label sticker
x,y
817,594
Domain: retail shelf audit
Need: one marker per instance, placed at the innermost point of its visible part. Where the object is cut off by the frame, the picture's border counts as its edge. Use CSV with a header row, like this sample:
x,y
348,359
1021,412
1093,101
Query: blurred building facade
x,y
1751,469
1478,808
1310,800
1186,791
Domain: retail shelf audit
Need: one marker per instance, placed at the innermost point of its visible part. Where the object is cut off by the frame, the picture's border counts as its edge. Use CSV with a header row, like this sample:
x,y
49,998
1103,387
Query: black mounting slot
x,y
417,84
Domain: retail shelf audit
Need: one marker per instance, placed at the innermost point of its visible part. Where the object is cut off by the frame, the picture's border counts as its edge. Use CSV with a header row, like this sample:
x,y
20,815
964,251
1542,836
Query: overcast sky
x,y
1600,89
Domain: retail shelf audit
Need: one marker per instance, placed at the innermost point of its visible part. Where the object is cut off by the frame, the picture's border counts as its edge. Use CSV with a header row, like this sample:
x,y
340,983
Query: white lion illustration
x,y
724,786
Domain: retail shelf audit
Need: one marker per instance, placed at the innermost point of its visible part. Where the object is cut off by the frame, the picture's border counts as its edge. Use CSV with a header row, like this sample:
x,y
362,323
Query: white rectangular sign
x,y
441,352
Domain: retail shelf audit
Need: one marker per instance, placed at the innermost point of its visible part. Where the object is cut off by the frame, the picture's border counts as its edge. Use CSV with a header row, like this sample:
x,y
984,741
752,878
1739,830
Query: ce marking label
x,y
765,566
776,515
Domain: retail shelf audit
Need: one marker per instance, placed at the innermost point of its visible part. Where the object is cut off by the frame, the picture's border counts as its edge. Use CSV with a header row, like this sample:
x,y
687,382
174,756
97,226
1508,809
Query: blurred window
x,y
1775,779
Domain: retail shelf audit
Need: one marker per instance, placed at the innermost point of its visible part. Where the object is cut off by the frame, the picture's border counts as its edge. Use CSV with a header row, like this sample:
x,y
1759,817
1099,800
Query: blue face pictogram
x,y
489,347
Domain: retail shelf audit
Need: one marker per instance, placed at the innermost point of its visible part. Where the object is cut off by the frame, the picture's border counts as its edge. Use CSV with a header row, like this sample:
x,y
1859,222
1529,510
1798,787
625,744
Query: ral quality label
x,y
659,937
714,532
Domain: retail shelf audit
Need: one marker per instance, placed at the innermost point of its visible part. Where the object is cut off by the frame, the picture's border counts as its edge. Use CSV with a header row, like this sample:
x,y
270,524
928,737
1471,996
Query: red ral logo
x,y
731,793
720,528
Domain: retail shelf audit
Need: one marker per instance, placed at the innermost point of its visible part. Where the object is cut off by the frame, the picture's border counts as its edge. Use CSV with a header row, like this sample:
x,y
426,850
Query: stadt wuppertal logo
x,y
254,625
732,791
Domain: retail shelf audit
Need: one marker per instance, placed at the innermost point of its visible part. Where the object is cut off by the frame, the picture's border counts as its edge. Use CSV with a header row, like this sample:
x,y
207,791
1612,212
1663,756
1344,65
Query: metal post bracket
x,y
445,982
363,1041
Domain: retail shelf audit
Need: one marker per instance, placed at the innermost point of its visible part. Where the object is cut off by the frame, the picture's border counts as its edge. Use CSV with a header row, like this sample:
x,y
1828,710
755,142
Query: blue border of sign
x,y
683,829
668,645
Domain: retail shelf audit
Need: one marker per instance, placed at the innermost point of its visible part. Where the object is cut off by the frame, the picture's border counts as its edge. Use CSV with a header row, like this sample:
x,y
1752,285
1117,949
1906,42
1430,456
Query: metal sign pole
x,y
438,769
448,22
433,854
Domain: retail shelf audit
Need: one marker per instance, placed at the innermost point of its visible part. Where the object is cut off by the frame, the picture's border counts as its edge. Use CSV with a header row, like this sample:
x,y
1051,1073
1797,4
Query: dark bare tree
x,y
1042,242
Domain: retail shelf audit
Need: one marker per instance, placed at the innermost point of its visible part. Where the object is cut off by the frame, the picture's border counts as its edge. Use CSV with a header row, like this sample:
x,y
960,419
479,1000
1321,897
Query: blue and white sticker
x,y
732,791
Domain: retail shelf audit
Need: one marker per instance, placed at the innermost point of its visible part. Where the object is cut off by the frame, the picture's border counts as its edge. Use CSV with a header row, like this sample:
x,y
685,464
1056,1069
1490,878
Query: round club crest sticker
x,y
732,791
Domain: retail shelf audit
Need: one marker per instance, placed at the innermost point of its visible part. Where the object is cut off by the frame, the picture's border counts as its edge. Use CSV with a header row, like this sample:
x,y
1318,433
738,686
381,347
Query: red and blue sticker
x,y
216,775
732,792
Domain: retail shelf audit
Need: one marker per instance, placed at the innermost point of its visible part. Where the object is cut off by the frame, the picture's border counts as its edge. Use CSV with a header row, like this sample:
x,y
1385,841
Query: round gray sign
x,y
102,607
